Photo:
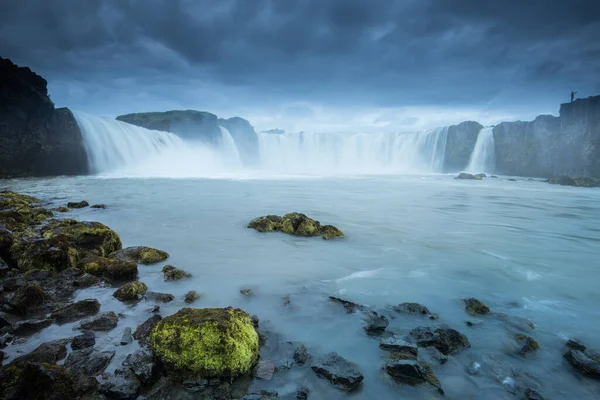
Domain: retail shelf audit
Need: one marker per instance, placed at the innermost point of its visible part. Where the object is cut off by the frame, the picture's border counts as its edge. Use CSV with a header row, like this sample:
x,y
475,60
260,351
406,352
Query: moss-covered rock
x,y
174,274
527,343
131,291
295,224
191,297
103,206
51,254
466,176
19,213
78,204
474,306
141,255
90,238
209,342
109,267
63,209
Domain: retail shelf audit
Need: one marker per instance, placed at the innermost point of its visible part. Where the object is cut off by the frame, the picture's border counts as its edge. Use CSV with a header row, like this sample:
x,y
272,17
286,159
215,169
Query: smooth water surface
x,y
526,248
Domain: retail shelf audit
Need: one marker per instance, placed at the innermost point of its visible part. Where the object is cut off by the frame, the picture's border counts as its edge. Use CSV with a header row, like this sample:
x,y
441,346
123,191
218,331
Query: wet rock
x,y
412,308
301,355
527,343
101,322
76,311
265,370
126,337
464,175
154,309
26,298
83,238
531,394
30,326
103,206
49,352
86,339
174,274
141,255
295,224
86,281
88,361
142,333
412,372
255,321
117,270
337,370
211,342
476,307
63,209
191,297
123,384
574,345
583,364
160,297
511,180
131,291
261,395
349,306
302,393
78,204
142,363
394,343
436,355
376,324
246,292
443,338
474,368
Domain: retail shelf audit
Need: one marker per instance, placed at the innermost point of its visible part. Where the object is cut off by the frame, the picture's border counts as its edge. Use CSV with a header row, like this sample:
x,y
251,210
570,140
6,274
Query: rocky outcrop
x,y
460,144
245,138
36,139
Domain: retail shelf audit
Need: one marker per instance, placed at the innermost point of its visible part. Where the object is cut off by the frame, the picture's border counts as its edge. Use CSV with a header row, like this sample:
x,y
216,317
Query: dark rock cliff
x,y
36,139
245,138
459,145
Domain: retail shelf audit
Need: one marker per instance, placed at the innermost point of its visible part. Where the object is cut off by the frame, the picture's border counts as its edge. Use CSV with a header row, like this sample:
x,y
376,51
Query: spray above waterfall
x,y
483,158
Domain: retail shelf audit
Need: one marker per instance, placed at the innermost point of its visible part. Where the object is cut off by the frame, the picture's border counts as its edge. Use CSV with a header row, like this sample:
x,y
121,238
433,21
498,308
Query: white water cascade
x,y
483,158
230,148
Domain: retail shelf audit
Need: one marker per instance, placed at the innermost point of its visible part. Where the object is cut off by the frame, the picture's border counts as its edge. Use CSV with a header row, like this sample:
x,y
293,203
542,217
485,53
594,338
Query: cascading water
x,y
483,158
230,148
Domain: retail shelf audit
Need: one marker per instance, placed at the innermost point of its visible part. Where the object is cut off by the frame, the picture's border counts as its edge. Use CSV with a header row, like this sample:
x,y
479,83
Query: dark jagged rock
x,y
37,139
412,308
301,355
101,322
86,339
30,326
295,224
142,333
474,306
126,338
26,298
88,361
247,292
398,345
117,270
574,345
466,176
131,291
76,311
443,338
583,364
412,372
123,384
460,143
527,343
174,274
376,324
337,370
302,393
78,204
160,297
49,352
349,306
142,363
141,255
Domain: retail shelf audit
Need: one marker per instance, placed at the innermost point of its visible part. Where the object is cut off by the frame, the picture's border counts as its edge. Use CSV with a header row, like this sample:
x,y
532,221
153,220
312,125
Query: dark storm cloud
x,y
381,53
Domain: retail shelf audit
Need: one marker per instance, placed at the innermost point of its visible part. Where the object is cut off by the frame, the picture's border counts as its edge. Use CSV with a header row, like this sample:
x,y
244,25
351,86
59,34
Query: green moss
x,y
94,265
191,297
131,291
19,212
528,344
267,223
209,342
63,209
330,232
295,224
141,254
174,274
109,267
91,238
474,306
52,254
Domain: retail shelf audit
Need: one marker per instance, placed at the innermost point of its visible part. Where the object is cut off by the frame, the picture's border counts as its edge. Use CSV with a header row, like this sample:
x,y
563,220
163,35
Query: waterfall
x,y
229,147
483,158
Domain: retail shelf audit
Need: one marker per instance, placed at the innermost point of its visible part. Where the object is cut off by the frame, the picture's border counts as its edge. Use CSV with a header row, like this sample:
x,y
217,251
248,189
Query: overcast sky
x,y
320,65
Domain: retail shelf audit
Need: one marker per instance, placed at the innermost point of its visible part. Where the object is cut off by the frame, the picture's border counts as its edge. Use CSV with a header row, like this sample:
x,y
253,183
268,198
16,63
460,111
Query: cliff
x,y
36,139
459,145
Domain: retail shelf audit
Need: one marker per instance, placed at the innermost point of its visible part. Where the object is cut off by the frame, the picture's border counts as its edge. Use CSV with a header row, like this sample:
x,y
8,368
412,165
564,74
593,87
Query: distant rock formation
x,y
460,144
36,139
245,138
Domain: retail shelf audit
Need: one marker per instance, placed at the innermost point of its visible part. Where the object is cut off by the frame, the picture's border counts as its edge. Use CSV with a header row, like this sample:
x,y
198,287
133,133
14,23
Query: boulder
x,y
131,291
527,344
126,338
26,298
476,307
412,308
109,267
63,209
160,297
261,395
123,384
49,352
76,311
376,324
174,274
395,344
443,338
466,176
412,372
268,223
191,297
88,361
210,342
295,224
78,204
341,373
584,364
86,339
141,255
102,322
30,326
301,355
142,363
52,254
90,238
103,206
142,332
575,345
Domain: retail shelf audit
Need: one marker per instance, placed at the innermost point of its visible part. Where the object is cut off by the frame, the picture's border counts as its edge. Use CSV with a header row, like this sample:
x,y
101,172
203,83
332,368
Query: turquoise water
x,y
526,248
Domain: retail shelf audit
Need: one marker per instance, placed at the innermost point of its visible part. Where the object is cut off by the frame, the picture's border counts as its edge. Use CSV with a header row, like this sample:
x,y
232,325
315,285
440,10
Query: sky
x,y
311,65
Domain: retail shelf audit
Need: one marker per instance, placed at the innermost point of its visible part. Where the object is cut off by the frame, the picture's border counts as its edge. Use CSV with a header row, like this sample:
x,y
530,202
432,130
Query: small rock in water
x,y
172,273
528,344
246,292
412,308
30,326
509,384
583,364
443,338
63,209
98,206
348,305
574,345
126,338
154,309
301,355
286,300
88,361
261,395
464,175
161,297
255,321
86,339
396,344
131,291
531,394
79,204
265,370
101,322
376,324
474,368
474,306
341,373
302,393
123,384
412,372
191,297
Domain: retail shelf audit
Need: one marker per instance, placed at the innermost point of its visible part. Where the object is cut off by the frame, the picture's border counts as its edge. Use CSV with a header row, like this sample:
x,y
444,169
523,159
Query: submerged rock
x,y
78,204
30,326
474,306
131,291
174,274
301,355
160,297
142,363
376,324
584,364
395,344
63,209
527,343
412,308
76,311
337,370
141,255
261,395
580,181
443,338
101,322
574,345
210,342
464,175
142,332
348,305
123,384
98,206
412,372
531,394
88,361
295,224
191,297
86,339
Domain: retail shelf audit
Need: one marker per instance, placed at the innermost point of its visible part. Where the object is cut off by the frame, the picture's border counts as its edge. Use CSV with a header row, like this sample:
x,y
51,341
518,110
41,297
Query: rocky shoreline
x,y
212,353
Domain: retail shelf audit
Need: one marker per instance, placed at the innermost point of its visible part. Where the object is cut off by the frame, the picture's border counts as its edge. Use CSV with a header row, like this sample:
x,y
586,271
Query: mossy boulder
x,y
90,238
295,224
109,267
466,176
476,307
141,255
174,274
19,213
208,342
78,204
191,297
51,254
131,291
63,209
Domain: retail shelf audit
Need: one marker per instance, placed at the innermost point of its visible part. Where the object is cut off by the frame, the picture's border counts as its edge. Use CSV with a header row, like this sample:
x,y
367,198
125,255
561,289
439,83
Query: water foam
x,y
483,158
